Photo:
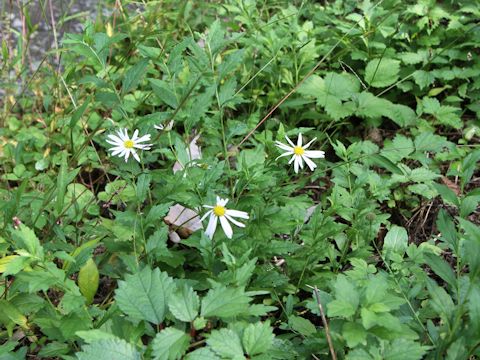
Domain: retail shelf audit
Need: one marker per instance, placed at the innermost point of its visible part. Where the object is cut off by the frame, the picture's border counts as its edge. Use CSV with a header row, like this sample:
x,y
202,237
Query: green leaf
x,y
144,295
88,278
397,149
301,325
447,194
225,302
258,338
354,334
170,344
112,349
382,161
401,349
440,300
441,268
382,72
9,312
26,239
226,343
184,304
202,354
396,240
134,75
163,92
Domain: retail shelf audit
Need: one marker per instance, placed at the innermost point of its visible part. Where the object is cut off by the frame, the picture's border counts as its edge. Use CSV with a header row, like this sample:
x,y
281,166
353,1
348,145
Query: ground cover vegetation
x,y
162,196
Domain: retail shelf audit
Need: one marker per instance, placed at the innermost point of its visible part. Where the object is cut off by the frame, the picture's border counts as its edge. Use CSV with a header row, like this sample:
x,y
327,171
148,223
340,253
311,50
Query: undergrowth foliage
x,y
119,163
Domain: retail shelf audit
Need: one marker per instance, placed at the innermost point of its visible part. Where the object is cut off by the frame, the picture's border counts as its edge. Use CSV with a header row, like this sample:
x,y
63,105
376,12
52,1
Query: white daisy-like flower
x,y
124,145
219,211
300,153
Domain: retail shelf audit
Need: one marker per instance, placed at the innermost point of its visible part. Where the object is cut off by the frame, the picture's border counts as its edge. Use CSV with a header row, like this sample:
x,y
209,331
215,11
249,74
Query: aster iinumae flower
x,y
220,212
300,153
123,145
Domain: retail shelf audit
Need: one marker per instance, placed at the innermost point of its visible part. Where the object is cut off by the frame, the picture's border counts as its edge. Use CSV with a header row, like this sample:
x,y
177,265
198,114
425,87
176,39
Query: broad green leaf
x,y
225,302
226,343
184,304
474,307
382,161
382,72
202,354
301,325
134,75
170,344
90,336
144,295
442,269
257,338
12,264
397,149
88,278
354,334
26,239
440,300
371,106
401,349
446,193
9,312
163,92
396,240
112,349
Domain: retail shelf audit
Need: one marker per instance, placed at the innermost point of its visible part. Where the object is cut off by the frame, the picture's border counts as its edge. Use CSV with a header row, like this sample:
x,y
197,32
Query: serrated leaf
x,y
226,343
257,338
184,304
88,278
354,334
301,325
202,354
396,240
112,349
144,295
225,302
170,344
446,193
441,268
9,312
382,72
401,349
134,75
26,239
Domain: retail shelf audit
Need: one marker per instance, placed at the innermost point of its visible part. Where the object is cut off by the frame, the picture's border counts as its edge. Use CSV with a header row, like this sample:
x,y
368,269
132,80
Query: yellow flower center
x,y
219,210
298,150
128,144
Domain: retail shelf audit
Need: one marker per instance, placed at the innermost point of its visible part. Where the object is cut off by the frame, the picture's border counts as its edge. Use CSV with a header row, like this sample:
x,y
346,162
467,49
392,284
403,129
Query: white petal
x,y
292,159
142,146
295,164
135,155
299,140
227,228
289,141
135,135
310,143
115,138
208,206
300,161
212,226
127,154
143,138
283,146
237,213
158,127
238,223
223,202
284,154
206,214
310,163
218,200
117,150
314,154
122,135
